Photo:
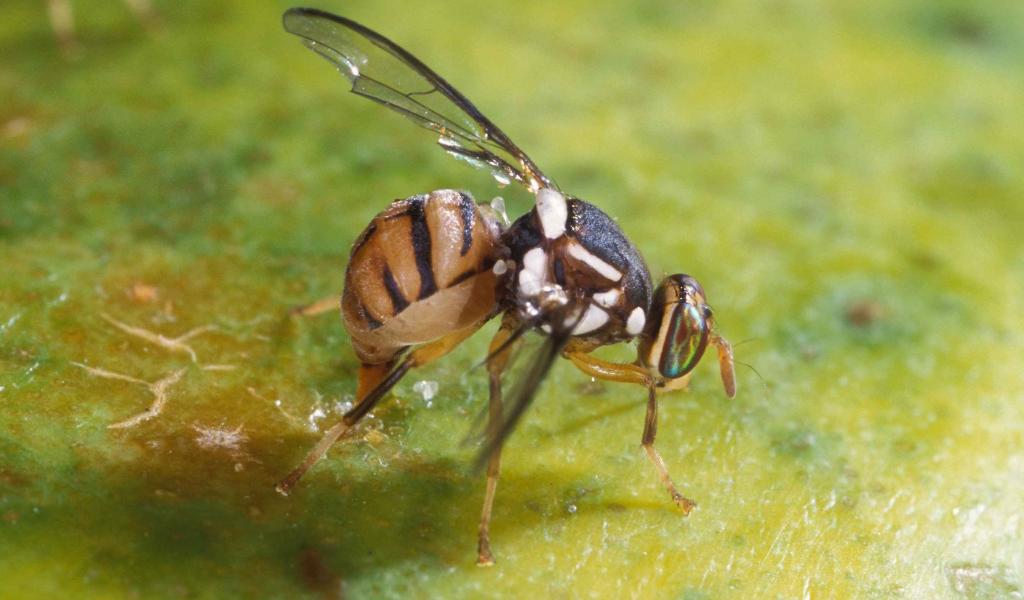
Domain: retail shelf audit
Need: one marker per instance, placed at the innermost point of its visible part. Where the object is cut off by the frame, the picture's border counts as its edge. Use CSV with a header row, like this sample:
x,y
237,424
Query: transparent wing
x,y
384,72
523,392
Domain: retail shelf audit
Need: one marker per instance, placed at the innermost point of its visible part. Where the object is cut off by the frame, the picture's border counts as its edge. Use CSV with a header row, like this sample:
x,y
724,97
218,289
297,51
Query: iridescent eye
x,y
686,339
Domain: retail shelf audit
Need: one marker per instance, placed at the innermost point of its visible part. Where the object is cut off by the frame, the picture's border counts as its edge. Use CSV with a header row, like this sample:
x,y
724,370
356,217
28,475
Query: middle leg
x,y
498,356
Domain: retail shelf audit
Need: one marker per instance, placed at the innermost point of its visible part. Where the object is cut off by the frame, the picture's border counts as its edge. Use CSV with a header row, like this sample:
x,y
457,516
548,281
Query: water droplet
x,y
426,389
502,178
571,508
344,405
58,300
498,205
315,416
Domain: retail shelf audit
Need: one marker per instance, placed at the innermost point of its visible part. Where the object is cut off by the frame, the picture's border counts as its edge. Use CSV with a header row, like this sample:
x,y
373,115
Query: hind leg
x,y
375,381
328,304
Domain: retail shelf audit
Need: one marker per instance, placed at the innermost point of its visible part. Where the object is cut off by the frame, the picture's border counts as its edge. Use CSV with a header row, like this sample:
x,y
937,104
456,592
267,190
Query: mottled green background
x,y
845,178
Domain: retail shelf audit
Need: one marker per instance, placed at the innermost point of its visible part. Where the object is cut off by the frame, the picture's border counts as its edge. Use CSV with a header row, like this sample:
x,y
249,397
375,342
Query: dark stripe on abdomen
x,y
466,211
421,247
398,301
464,276
363,238
370,321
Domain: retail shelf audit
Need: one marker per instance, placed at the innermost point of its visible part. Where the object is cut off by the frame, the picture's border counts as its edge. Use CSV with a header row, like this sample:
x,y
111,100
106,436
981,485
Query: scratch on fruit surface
x,y
159,389
176,344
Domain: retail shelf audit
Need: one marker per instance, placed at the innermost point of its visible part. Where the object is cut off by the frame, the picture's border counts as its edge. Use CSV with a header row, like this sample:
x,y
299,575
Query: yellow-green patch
x,y
844,178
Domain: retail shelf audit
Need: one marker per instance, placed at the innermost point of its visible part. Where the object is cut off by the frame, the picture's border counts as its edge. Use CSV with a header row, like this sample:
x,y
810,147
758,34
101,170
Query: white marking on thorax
x,y
607,299
593,319
500,268
637,320
553,212
537,262
529,285
607,271
534,272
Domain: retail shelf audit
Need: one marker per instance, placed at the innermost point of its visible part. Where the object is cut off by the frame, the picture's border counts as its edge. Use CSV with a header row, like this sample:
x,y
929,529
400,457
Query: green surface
x,y
845,179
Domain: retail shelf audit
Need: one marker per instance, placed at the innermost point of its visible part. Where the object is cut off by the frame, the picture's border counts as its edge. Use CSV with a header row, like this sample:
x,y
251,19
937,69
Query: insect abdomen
x,y
420,270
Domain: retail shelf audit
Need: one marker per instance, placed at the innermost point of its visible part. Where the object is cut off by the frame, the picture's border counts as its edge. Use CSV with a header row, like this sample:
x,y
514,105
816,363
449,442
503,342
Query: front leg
x,y
627,373
650,431
609,371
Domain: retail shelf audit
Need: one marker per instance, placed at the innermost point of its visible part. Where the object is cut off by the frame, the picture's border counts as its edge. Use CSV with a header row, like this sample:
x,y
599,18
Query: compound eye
x,y
685,340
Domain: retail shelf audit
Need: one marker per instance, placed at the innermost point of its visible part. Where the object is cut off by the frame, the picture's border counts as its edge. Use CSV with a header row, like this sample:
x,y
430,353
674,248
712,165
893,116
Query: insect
x,y
430,270
63,22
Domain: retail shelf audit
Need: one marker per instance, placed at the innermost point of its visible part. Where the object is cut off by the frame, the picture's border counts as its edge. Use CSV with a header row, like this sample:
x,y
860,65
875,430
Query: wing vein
x,y
385,72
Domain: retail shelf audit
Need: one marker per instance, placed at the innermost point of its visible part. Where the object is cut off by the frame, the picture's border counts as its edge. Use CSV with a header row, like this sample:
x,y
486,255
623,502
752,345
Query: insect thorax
x,y
587,260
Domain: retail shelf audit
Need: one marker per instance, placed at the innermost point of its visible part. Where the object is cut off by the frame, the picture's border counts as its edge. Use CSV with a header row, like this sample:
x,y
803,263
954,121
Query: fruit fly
x,y
431,269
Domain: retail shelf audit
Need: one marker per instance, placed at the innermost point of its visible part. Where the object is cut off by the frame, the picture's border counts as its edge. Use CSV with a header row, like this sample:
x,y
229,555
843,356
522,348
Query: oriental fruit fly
x,y
430,270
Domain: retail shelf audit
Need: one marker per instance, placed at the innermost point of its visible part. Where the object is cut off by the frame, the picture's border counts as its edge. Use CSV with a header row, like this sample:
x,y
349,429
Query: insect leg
x,y
498,356
627,373
609,371
417,358
725,364
370,377
650,431
143,11
328,304
63,22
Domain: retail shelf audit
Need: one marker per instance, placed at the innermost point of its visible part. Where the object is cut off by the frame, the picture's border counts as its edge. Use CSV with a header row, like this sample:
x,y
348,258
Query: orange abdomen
x,y
420,270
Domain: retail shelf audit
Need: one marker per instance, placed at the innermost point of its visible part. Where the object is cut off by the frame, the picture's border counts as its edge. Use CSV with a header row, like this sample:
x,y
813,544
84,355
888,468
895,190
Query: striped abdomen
x,y
420,270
